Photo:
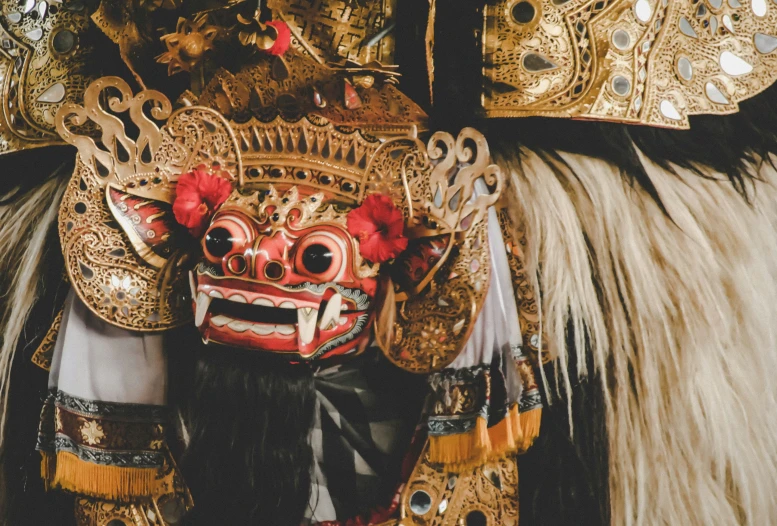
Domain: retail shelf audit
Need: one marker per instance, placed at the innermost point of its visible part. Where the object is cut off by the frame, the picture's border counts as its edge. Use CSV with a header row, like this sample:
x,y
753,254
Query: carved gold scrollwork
x,y
486,494
445,207
41,68
456,204
120,241
117,157
650,62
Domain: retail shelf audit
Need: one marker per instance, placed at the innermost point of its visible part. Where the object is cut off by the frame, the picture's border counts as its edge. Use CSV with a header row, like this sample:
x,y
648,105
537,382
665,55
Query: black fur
x,y
564,476
249,459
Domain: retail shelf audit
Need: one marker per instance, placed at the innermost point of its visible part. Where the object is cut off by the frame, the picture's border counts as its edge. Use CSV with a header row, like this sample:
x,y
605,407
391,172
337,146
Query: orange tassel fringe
x,y
464,450
502,436
516,432
530,424
515,422
67,472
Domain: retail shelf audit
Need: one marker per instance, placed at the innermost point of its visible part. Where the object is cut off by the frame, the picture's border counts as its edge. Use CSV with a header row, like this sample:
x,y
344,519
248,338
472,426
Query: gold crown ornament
x,y
41,68
298,85
338,31
651,62
295,187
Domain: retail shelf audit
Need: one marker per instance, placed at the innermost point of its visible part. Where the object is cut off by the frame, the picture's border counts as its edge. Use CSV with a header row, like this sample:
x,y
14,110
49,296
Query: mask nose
x,y
236,264
274,270
270,258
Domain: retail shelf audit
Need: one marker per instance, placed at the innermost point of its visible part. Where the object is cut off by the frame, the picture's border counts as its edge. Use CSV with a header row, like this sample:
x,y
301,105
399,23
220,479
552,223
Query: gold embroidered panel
x,y
649,62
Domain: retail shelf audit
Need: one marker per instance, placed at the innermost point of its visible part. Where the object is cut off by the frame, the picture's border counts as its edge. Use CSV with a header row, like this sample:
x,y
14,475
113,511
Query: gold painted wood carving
x,y
651,62
41,68
45,352
445,190
527,301
305,87
118,236
487,495
340,30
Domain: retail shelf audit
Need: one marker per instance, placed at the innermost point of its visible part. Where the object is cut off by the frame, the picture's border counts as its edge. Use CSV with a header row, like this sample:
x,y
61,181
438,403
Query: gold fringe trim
x,y
463,450
530,424
48,466
68,472
515,423
503,435
516,432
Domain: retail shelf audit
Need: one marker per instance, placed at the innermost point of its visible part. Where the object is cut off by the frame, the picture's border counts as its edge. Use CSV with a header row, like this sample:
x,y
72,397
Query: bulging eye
x,y
317,258
320,256
227,233
219,242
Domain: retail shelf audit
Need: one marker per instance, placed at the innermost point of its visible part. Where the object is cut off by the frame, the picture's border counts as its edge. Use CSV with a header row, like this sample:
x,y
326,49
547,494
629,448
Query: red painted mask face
x,y
282,274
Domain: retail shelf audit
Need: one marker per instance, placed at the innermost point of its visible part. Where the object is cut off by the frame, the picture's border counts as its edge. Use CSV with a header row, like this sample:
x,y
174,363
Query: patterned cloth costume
x,y
289,206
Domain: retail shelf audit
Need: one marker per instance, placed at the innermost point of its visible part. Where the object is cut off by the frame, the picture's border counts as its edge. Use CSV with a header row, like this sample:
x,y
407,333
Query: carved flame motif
x,y
115,223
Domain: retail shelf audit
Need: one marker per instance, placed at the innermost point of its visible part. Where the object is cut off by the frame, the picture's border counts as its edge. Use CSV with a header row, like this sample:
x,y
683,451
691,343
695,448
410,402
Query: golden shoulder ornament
x,y
652,62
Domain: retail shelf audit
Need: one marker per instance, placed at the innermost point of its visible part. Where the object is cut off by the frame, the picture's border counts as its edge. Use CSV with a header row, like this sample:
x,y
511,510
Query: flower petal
x,y
378,225
198,195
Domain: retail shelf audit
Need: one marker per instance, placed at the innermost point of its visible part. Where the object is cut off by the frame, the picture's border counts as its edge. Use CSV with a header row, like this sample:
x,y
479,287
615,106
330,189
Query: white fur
x,y
688,302
24,228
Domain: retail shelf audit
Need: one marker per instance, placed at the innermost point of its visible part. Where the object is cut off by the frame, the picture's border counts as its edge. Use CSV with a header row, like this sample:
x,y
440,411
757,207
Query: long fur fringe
x,y
678,307
24,226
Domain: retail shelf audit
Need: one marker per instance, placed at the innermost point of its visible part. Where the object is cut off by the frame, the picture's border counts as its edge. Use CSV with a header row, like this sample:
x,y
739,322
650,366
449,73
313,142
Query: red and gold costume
x,y
253,209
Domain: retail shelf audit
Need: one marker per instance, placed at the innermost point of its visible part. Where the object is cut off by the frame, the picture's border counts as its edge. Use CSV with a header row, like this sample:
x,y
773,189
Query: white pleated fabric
x,y
97,361
497,329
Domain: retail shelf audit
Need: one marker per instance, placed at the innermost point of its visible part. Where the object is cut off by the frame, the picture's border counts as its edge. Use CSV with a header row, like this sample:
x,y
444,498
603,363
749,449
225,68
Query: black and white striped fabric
x,y
367,411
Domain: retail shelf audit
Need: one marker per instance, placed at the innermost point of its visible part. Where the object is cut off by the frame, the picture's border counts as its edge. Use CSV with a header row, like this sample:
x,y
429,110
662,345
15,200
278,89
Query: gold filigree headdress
x,y
121,242
651,62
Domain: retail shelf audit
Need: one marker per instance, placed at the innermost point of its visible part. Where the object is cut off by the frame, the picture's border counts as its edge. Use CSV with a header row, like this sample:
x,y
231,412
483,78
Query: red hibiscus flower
x,y
378,225
198,194
284,38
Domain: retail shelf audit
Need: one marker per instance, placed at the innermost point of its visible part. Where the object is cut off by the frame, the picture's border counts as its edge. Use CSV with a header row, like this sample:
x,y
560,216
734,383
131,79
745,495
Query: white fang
x,y
306,323
331,313
202,304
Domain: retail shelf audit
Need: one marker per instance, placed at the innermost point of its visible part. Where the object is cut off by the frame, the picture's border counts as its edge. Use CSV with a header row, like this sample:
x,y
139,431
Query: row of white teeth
x,y
263,302
306,317
262,329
